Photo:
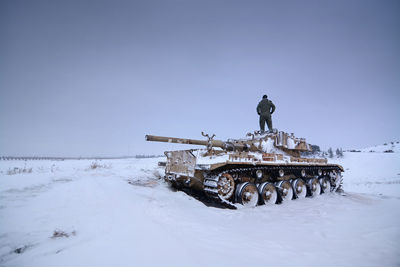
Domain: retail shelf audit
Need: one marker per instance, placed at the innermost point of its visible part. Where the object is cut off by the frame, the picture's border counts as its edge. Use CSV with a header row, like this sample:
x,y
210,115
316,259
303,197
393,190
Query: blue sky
x,y
84,78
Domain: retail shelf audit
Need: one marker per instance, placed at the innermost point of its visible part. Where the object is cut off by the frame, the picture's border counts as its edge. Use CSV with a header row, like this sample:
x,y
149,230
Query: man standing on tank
x,y
265,108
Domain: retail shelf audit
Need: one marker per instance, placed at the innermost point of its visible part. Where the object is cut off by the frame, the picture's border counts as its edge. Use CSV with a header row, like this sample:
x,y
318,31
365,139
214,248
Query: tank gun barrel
x,y
208,143
215,143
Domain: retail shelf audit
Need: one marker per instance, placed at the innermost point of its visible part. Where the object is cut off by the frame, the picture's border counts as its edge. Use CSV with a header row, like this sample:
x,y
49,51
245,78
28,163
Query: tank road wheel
x,y
314,187
325,184
247,194
299,188
336,180
268,193
285,190
225,186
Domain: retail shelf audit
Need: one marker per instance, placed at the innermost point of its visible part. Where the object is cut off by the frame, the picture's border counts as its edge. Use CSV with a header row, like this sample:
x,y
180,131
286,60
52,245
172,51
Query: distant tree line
x,y
148,156
77,158
330,154
316,151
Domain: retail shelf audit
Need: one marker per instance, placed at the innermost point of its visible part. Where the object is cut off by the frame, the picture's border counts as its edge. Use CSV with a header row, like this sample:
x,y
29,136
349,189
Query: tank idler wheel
x,y
299,188
314,188
247,194
325,185
285,190
268,193
225,186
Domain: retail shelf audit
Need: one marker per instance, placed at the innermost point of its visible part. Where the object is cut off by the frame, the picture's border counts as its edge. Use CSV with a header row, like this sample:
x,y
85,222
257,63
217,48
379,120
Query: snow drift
x,y
67,213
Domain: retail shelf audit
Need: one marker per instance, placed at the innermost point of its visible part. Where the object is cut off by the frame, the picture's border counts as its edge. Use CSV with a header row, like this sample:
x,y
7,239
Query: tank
x,y
262,168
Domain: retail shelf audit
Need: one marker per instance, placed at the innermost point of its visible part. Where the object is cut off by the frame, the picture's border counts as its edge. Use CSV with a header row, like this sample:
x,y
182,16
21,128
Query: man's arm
x,y
258,109
272,107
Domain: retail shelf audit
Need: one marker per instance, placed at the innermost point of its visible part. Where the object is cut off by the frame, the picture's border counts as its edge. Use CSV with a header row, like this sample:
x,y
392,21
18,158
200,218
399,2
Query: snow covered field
x,y
65,213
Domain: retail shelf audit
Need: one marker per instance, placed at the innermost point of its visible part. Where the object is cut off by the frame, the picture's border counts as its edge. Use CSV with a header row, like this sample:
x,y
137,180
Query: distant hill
x,y
393,147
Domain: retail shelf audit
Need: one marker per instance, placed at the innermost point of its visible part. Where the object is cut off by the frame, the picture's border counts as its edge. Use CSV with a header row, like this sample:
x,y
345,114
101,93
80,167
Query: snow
x,y
394,146
122,214
375,173
268,146
208,160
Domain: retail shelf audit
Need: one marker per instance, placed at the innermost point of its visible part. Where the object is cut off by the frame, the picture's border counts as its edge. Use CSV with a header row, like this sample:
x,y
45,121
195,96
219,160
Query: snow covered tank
x,y
263,168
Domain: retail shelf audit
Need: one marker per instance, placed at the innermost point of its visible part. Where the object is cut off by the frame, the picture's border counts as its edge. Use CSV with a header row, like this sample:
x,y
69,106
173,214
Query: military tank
x,y
262,168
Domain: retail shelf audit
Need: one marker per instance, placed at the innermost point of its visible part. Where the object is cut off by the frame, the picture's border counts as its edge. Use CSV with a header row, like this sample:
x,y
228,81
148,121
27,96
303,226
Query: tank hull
x,y
220,174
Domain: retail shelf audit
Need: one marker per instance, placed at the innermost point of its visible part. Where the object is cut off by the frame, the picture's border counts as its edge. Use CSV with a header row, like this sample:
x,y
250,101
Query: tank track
x,y
210,182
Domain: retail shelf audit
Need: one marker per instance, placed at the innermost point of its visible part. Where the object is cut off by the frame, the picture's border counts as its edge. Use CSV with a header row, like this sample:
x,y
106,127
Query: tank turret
x,y
255,142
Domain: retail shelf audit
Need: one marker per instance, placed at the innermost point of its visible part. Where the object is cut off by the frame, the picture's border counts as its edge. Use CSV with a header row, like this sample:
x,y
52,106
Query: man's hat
x,y
265,96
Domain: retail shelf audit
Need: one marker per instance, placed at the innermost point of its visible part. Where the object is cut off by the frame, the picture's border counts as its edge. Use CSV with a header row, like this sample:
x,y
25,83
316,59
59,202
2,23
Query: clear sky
x,y
85,78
